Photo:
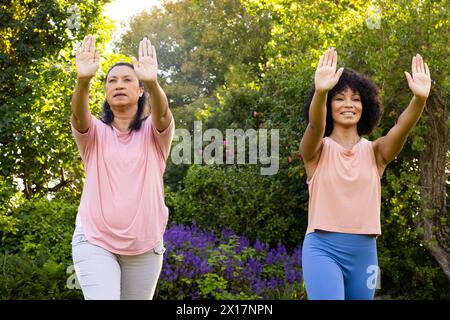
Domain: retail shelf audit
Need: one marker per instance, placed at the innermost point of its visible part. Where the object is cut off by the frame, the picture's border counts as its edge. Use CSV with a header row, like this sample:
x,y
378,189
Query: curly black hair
x,y
372,107
107,114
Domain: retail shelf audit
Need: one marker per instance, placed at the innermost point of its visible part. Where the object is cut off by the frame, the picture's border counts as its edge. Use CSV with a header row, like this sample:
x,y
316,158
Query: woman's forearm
x,y
80,104
159,104
318,110
410,115
158,100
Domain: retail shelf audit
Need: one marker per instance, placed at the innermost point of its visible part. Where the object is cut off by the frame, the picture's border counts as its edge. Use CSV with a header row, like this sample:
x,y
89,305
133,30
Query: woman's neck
x,y
124,118
347,137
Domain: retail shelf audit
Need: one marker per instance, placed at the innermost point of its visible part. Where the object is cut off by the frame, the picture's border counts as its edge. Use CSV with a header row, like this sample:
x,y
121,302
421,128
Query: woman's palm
x,y
420,81
326,76
146,67
87,58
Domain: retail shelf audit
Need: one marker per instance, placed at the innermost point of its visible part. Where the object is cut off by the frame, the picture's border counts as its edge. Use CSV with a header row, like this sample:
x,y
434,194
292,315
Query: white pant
x,y
104,275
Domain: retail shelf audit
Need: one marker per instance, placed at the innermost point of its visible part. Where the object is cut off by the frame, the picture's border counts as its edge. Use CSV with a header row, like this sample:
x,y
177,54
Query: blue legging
x,y
339,266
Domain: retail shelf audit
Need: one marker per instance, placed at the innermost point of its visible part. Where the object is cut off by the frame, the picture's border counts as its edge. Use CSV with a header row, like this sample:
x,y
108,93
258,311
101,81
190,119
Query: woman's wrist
x,y
151,85
420,99
321,91
84,80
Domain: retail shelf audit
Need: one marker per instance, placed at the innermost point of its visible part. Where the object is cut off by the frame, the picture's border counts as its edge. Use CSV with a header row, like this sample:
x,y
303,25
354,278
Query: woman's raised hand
x,y
420,81
87,58
326,76
146,67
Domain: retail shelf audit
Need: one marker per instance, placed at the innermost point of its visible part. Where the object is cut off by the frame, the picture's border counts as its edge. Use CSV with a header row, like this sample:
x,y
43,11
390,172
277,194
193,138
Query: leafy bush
x,y
408,271
239,198
36,258
37,278
44,227
9,198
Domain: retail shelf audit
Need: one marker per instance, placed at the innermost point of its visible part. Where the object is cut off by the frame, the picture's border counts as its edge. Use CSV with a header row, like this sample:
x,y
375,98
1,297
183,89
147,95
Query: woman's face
x,y
122,87
346,108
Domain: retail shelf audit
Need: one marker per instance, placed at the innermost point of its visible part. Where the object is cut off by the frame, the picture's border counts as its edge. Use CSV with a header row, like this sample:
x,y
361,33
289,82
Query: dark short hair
x,y
108,115
372,107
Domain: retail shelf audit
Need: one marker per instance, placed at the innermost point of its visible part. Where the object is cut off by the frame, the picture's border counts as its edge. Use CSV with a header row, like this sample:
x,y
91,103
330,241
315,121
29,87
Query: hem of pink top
x,y
126,253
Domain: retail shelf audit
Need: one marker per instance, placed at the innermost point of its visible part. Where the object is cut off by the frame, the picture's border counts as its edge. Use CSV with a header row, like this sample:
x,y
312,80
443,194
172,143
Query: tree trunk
x,y
435,219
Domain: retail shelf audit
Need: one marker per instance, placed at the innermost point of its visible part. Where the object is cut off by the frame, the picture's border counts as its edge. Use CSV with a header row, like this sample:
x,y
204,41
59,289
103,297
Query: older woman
x,y
117,244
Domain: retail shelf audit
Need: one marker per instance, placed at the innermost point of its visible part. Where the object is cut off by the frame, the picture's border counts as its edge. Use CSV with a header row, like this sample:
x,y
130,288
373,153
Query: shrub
x,y
239,198
36,257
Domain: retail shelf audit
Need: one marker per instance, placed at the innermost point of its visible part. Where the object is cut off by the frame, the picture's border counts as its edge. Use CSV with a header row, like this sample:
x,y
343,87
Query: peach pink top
x,y
345,190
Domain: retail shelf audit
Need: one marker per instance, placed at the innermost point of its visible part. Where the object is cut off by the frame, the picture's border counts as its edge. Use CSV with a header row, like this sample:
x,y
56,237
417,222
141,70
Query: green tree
x,y
200,44
36,84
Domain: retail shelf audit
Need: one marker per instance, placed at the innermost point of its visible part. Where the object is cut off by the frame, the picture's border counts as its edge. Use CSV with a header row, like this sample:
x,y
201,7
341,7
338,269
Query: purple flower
x,y
253,270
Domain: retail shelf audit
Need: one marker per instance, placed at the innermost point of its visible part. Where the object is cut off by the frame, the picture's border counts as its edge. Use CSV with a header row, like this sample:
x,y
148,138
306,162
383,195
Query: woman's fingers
x,y
334,60
141,50
330,57
144,47
135,62
327,58
149,48
154,55
321,61
79,46
421,66
427,71
409,78
413,66
417,63
339,74
92,47
83,45
88,43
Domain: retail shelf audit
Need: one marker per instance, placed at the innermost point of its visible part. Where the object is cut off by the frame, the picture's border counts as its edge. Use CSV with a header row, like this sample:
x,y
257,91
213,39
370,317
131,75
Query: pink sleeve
x,y
85,140
163,139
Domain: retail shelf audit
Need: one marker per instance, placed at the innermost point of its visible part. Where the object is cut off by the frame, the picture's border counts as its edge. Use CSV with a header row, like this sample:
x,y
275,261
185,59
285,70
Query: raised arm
x,y
325,79
87,63
386,148
146,69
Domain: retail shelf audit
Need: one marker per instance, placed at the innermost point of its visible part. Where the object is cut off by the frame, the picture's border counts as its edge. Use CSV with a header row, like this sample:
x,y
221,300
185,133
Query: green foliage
x,y
9,199
408,271
40,278
45,226
214,286
239,198
36,258
36,83
200,44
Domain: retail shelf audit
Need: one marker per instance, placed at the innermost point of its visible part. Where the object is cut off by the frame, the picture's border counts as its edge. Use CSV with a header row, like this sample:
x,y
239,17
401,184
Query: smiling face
x,y
346,108
122,87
